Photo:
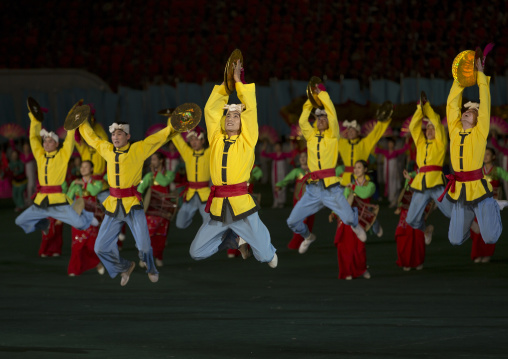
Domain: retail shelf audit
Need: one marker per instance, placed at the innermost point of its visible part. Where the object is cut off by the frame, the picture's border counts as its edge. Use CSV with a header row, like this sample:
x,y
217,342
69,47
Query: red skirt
x,y
480,248
410,243
51,243
158,231
351,253
83,256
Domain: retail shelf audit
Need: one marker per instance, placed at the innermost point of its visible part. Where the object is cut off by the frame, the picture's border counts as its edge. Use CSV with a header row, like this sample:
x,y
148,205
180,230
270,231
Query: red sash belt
x,y
349,169
198,185
231,190
317,175
125,192
425,169
47,190
468,176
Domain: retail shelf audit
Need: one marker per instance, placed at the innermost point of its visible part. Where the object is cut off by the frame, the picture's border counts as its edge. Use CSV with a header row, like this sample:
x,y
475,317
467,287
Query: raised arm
x,y
333,124
249,117
305,126
400,151
182,147
152,143
214,110
415,126
86,131
453,108
435,120
68,145
35,137
375,135
484,111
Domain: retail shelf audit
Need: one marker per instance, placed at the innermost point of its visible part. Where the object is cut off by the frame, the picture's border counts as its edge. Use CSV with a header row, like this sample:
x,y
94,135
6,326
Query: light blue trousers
x,y
315,198
420,200
106,244
212,234
101,197
35,218
489,219
188,210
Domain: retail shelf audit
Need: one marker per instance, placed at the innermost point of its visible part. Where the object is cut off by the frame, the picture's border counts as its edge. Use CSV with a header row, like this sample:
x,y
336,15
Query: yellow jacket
x,y
428,153
88,153
467,147
236,153
359,148
197,166
51,166
125,164
322,149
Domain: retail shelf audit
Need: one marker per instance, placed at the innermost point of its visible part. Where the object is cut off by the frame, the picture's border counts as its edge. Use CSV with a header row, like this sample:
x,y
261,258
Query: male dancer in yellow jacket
x,y
430,155
52,169
233,211
468,190
323,188
124,204
197,166
354,148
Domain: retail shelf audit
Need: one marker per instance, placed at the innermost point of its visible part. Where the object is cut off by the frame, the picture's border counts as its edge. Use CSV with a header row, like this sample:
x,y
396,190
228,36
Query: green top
x,y
365,191
292,176
339,170
93,188
162,179
501,174
16,167
255,174
412,175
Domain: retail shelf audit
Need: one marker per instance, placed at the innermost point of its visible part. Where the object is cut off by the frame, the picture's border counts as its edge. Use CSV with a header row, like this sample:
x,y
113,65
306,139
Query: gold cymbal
x,y
464,69
76,117
185,117
166,112
35,109
311,94
229,78
385,111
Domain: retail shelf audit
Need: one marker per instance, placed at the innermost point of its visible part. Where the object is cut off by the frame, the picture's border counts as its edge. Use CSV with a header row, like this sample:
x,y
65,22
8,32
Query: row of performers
x,y
162,206
231,219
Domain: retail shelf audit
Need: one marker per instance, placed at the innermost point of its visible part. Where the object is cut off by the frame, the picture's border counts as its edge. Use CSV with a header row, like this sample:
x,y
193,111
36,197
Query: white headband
x,y
51,134
353,124
117,126
234,107
320,112
194,133
472,106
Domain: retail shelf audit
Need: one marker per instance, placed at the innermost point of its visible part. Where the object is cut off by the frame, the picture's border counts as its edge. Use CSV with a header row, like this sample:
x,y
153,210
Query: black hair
x,y
493,151
160,156
390,139
364,163
88,161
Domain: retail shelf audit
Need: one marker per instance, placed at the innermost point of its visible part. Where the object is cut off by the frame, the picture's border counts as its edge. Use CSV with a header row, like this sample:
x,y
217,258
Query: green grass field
x,y
231,308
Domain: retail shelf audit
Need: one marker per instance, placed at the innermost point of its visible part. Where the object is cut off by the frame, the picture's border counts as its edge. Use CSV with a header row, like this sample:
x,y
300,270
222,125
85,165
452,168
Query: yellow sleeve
x,y
453,106
35,137
93,140
80,147
153,142
182,147
415,126
435,119
68,144
305,126
214,110
247,95
333,124
375,135
484,111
